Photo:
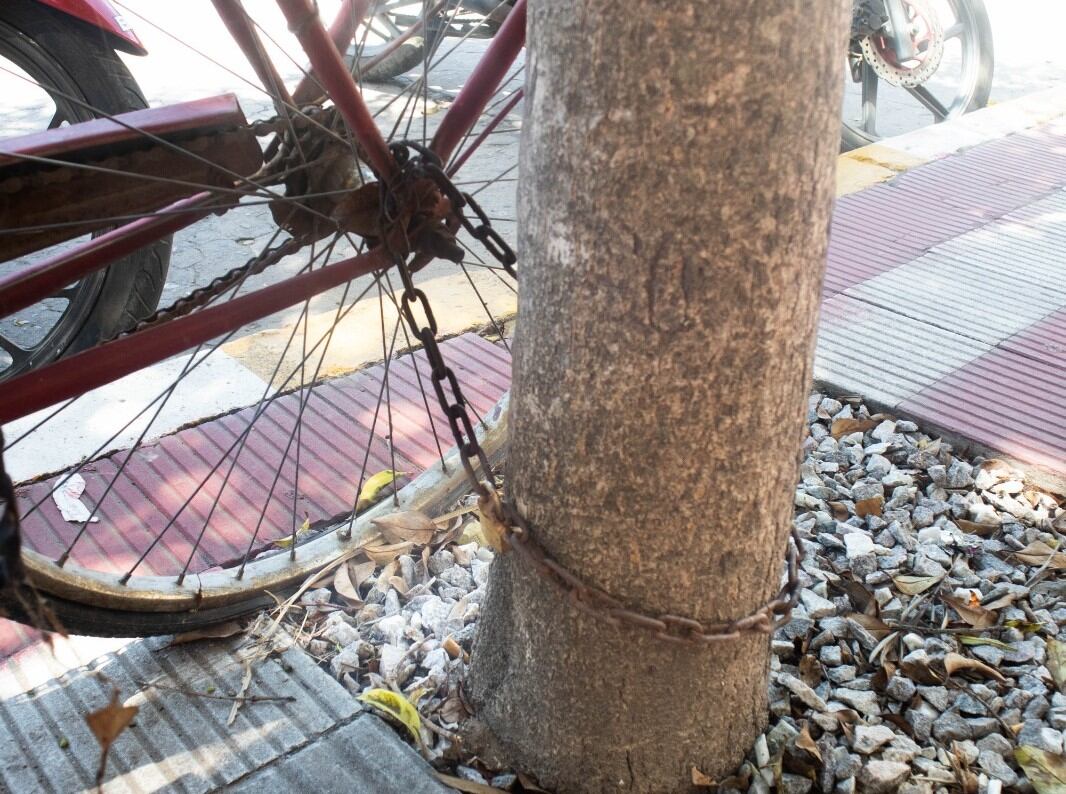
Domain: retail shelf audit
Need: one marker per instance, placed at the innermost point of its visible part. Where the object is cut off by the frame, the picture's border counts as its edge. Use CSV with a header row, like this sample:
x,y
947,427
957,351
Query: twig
x,y
936,630
980,699
441,731
213,696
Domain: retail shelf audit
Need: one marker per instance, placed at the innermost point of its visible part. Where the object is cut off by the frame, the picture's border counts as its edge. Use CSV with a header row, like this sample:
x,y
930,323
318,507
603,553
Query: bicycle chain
x,y
505,518
201,296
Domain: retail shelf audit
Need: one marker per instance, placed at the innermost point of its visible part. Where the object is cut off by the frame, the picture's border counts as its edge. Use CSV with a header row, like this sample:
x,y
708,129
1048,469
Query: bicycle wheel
x,y
70,70
949,75
223,445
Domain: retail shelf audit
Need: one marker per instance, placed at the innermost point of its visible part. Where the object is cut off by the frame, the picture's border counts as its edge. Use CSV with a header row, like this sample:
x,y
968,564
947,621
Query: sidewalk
x,y
944,301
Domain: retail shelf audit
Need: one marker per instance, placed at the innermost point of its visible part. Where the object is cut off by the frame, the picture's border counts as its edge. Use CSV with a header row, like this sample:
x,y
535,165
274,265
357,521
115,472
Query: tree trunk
x,y
676,184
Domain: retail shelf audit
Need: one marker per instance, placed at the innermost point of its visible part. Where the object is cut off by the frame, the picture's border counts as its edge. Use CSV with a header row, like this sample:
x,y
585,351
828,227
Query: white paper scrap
x,y
67,496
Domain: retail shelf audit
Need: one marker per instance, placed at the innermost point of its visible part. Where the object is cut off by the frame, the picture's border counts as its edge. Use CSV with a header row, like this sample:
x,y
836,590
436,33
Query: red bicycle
x,y
374,207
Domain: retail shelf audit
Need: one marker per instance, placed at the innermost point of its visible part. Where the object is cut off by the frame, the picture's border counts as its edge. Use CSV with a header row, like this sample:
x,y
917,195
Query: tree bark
x,y
676,185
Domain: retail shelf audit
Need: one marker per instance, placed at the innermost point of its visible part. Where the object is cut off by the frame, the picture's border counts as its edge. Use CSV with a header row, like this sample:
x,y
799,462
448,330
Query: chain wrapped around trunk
x,y
503,519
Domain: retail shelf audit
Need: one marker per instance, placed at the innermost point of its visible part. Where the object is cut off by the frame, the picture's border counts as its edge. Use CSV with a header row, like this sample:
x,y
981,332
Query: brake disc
x,y
927,36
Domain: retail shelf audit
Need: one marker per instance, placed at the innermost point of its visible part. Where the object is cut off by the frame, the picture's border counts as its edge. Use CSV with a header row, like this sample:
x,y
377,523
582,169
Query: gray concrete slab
x,y
180,742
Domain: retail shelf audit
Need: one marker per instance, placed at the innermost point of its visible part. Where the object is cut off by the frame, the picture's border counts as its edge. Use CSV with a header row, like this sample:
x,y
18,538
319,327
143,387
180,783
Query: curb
x,y
870,165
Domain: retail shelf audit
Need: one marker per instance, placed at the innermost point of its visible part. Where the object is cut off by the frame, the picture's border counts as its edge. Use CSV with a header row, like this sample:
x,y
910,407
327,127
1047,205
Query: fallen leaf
x,y
978,617
286,542
920,672
974,528
528,784
869,507
406,526
490,512
1046,771
1004,600
396,706
1040,553
346,589
914,585
701,780
805,742
372,489
106,724
810,670
471,786
969,639
840,511
384,553
398,584
966,780
874,625
844,427
1024,626
215,632
956,662
1056,663
472,533
359,572
452,647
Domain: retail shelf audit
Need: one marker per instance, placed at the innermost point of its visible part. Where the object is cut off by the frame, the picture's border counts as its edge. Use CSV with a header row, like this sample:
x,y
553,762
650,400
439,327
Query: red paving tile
x,y
172,477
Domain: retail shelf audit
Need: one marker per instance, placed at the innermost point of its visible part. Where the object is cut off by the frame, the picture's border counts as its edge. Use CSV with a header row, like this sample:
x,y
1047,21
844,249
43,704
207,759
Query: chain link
x,y
503,518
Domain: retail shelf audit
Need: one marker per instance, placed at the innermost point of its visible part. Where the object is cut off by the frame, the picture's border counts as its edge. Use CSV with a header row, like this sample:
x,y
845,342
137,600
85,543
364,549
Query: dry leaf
x,y
1046,771
1004,600
1056,663
956,662
346,589
805,742
384,553
287,541
974,528
528,784
701,780
869,507
966,780
920,672
106,724
227,629
406,526
844,427
810,670
462,784
398,584
976,616
874,625
914,585
359,572
452,647
1039,553
490,512
840,511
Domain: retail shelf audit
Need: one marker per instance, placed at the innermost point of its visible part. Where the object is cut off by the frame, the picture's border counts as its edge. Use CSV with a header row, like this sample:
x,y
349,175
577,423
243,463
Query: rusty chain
x,y
504,518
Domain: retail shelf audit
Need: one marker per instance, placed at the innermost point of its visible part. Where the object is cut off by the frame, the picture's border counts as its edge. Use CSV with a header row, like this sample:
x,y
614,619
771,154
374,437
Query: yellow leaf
x,y
406,525
372,489
286,541
396,706
1056,663
956,662
1046,771
913,585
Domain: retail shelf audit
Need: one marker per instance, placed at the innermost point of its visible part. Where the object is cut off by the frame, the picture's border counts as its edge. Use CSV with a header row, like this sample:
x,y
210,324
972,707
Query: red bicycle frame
x,y
68,377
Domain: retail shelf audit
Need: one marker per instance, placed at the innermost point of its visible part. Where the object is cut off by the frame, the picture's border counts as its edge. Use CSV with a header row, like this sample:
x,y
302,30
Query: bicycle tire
x,y
100,600
129,290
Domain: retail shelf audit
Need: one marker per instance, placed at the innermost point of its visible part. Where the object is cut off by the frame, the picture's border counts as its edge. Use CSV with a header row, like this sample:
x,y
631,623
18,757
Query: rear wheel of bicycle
x,y
232,468
59,71
950,74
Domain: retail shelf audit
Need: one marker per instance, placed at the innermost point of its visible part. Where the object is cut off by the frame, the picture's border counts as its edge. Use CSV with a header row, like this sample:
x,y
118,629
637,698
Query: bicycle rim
x,y
233,469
